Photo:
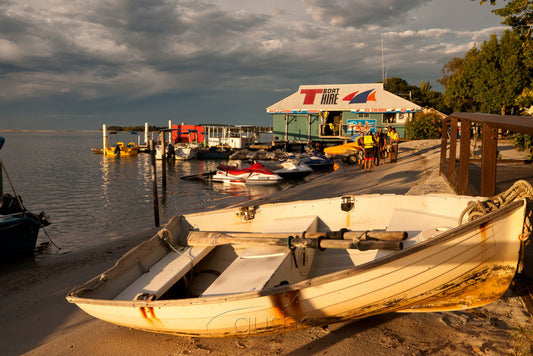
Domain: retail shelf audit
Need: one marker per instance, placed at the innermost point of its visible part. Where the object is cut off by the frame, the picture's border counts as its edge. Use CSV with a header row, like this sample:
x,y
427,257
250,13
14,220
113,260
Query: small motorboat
x,y
254,174
273,268
318,162
216,152
122,150
178,151
292,169
185,151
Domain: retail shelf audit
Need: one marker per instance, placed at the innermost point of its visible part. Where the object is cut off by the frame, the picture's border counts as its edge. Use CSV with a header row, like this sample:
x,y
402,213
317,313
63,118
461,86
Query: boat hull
x,y
185,153
463,267
256,174
18,235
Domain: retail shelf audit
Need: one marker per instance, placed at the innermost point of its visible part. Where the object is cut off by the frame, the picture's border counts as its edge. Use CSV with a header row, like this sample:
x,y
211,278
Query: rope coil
x,y
519,190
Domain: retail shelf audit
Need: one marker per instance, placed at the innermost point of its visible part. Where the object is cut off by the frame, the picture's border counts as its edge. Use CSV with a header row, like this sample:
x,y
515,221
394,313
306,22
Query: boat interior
x,y
165,267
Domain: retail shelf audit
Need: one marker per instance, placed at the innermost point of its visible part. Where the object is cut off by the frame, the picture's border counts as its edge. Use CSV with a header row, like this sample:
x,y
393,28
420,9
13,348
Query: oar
x,y
202,238
342,234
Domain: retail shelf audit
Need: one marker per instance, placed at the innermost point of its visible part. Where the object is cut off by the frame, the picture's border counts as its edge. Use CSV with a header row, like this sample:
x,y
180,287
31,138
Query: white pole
x,y
170,133
382,63
104,133
146,133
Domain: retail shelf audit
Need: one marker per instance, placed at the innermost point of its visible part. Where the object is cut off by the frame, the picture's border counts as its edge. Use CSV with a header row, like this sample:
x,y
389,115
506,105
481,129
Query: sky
x,y
78,64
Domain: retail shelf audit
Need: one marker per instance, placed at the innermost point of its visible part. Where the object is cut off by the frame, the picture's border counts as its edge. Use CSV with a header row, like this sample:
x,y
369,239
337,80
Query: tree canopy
x,y
423,95
490,77
517,14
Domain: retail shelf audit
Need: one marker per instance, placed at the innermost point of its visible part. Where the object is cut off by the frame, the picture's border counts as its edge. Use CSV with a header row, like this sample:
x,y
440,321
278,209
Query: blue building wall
x,y
298,125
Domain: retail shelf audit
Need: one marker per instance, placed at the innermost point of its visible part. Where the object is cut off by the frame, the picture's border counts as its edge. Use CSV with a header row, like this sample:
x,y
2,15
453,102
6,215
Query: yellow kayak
x,y
347,148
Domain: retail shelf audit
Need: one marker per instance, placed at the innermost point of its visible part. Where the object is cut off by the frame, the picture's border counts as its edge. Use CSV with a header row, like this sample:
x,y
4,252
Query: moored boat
x,y
122,150
217,152
185,151
279,267
177,151
19,228
292,169
318,162
254,174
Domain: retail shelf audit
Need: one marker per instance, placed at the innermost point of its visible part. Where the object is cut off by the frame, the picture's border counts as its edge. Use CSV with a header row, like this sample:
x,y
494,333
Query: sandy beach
x,y
37,319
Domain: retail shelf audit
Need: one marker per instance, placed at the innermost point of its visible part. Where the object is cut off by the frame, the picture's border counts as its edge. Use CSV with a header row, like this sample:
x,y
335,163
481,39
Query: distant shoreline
x,y
3,130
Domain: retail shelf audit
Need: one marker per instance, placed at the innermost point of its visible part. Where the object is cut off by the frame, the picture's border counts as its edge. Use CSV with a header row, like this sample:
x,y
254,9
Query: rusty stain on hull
x,y
478,289
148,314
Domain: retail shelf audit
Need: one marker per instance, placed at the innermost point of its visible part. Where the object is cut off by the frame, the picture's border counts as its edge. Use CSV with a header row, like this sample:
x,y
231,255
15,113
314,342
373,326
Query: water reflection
x,y
92,198
250,191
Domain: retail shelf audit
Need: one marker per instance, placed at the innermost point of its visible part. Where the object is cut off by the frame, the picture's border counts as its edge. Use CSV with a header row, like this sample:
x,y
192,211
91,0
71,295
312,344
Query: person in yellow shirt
x,y
369,143
394,141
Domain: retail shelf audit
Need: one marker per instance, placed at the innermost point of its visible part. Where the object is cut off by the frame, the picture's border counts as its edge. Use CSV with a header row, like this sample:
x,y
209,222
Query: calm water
x,y
91,198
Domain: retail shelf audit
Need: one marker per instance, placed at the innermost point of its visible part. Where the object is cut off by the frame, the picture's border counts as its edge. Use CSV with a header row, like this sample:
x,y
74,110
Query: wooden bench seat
x,y
165,273
256,265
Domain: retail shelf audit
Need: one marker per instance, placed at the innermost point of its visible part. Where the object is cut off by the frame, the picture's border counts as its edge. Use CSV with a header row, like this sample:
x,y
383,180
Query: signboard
x,y
355,126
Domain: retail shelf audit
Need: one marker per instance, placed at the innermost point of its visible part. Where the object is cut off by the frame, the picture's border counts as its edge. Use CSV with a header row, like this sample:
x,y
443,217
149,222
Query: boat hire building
x,y
337,112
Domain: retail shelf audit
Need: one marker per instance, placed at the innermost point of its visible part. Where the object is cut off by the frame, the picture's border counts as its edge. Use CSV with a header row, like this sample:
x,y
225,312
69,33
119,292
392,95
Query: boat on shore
x,y
350,152
275,268
19,228
254,174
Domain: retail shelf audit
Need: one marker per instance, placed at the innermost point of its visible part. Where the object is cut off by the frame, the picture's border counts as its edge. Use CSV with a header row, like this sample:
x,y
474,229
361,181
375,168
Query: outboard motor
x,y
10,205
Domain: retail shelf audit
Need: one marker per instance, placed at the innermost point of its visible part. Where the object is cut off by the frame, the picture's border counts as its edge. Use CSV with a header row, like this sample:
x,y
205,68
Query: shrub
x,y
523,142
423,126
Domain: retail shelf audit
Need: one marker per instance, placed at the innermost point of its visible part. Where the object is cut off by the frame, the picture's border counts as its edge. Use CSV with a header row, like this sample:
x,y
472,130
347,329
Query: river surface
x,y
90,198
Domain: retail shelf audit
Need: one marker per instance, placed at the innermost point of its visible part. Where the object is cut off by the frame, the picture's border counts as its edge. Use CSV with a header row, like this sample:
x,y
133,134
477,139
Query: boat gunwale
x,y
311,282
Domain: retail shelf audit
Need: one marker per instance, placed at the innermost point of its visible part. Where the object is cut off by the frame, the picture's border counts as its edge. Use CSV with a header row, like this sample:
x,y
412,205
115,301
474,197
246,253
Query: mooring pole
x,y
154,184
104,138
163,161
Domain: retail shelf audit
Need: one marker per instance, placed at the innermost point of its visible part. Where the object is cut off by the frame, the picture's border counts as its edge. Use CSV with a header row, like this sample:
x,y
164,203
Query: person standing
x,y
361,145
369,143
379,147
395,140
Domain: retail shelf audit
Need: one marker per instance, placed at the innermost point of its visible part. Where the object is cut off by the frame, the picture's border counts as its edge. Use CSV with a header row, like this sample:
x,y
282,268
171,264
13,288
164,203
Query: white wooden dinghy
x,y
221,273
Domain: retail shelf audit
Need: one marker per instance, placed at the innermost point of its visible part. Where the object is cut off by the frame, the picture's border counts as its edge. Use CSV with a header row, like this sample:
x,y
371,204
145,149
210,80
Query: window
x,y
389,118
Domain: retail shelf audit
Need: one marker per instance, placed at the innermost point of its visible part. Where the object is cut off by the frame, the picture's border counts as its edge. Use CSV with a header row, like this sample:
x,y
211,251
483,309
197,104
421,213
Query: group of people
x,y
379,145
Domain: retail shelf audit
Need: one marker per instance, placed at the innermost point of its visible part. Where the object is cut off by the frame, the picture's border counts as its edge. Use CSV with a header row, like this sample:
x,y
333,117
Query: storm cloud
x,y
70,64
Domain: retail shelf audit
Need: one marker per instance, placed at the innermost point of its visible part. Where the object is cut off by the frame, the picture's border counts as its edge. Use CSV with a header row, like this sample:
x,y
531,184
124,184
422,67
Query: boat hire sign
x,y
359,98
330,96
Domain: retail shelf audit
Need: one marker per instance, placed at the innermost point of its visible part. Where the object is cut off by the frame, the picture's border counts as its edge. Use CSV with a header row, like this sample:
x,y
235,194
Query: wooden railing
x,y
458,175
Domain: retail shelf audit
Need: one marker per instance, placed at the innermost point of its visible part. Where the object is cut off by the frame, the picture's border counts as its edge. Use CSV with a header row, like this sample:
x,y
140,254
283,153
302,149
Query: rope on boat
x,y
519,190
165,236
50,239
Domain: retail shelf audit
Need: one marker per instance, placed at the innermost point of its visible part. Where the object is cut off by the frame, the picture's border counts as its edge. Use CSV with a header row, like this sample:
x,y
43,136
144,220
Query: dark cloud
x,y
360,13
138,58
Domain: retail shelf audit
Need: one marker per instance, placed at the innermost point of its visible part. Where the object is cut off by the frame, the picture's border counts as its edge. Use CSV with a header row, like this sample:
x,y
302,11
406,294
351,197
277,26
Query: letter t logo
x,y
310,95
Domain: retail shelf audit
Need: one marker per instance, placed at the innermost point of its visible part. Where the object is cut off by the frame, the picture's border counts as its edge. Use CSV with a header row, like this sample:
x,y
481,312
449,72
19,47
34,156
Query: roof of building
x,y
360,98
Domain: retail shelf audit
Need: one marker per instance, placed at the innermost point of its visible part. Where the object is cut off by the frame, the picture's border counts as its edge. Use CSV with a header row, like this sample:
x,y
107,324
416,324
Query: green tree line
x,y
495,76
